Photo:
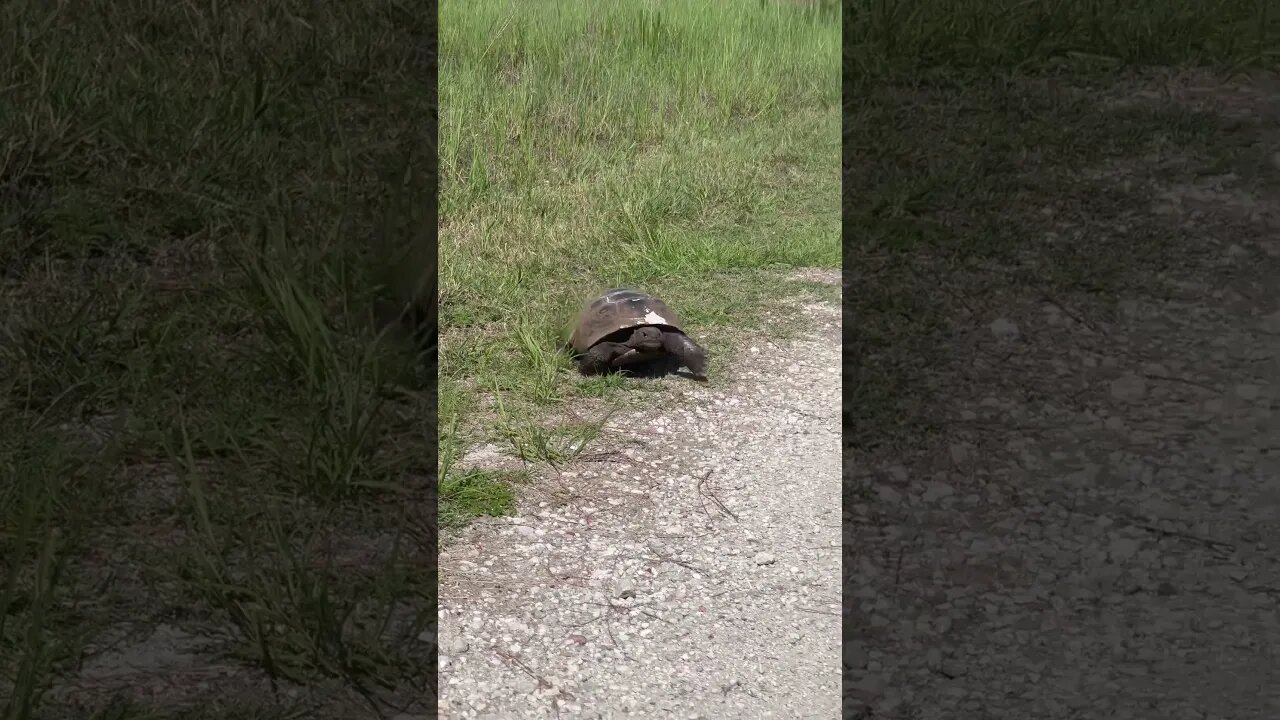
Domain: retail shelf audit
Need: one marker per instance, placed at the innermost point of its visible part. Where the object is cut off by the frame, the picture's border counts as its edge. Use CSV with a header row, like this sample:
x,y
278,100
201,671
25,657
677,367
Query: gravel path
x,y
1096,534
1116,560
693,573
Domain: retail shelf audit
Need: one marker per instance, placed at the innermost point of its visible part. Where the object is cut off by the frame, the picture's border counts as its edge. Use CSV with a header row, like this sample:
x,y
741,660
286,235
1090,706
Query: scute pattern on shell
x,y
616,310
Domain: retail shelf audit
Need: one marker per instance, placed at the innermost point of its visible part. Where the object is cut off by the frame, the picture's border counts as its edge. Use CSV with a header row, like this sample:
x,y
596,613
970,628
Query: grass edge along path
x,y
684,149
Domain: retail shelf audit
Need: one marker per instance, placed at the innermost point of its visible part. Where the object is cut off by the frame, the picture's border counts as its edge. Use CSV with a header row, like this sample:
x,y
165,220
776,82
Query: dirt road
x,y
1093,529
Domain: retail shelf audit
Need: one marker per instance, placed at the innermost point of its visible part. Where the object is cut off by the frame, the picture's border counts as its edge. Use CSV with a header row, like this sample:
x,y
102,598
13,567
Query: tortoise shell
x,y
620,310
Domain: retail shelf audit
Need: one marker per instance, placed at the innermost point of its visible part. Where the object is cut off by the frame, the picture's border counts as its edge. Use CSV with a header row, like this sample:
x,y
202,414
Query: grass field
x,y
685,148
983,164
208,465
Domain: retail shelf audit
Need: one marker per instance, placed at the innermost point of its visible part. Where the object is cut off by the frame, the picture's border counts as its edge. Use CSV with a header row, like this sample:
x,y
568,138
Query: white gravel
x,y
1091,529
692,574
1106,550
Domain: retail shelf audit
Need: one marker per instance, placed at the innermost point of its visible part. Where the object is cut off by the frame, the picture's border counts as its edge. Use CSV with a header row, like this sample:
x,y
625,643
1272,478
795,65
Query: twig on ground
x,y
702,494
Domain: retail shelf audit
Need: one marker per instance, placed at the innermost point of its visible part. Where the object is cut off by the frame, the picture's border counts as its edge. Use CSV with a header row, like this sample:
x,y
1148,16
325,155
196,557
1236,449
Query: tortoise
x,y
625,327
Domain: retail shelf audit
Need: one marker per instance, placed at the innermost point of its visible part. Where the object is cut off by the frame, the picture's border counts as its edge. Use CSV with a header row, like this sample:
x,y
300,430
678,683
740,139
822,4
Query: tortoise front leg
x,y
690,353
601,357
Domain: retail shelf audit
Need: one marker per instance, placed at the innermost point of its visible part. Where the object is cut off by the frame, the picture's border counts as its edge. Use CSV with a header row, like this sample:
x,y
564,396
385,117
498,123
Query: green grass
x,y
885,38
970,130
685,148
200,221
